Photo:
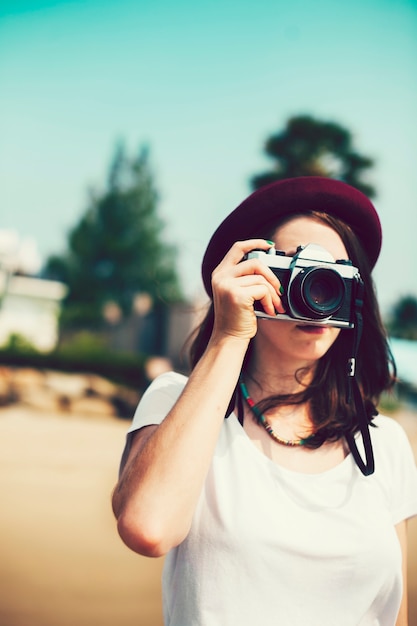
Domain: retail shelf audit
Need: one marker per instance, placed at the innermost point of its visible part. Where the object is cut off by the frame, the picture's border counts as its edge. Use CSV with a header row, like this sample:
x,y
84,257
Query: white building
x,y
29,306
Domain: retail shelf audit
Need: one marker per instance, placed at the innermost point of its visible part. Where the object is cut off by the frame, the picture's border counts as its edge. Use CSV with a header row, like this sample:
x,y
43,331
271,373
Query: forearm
x,y
159,488
401,530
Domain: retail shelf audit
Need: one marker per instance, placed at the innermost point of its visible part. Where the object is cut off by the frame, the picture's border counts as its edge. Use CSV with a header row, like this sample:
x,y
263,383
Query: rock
x,y
69,393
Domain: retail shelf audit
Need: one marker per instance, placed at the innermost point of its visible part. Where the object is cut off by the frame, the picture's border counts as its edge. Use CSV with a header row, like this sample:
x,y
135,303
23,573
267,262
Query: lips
x,y
313,330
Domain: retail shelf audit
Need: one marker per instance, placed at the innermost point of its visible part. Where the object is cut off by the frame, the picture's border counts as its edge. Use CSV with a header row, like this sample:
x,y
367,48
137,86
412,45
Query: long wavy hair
x,y
331,412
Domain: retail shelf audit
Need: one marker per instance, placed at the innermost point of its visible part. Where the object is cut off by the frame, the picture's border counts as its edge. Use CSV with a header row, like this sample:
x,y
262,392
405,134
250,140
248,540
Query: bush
x,y
389,403
85,354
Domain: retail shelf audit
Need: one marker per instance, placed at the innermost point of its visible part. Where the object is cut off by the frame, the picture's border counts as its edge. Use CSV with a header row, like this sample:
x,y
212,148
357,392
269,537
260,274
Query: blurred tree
x,y
403,319
116,250
310,147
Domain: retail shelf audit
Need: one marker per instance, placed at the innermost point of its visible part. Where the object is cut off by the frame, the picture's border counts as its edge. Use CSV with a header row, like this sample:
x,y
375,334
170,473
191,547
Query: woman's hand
x,y
237,285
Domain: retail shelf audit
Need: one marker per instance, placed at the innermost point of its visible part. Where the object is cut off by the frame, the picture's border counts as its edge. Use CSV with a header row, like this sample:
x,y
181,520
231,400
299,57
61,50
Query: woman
x,y
292,511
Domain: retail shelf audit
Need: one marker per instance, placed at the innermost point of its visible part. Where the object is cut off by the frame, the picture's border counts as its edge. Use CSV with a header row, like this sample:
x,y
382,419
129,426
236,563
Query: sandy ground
x,y
61,561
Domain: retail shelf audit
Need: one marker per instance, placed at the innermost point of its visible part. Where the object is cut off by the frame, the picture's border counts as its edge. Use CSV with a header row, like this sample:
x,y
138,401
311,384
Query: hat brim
x,y
291,196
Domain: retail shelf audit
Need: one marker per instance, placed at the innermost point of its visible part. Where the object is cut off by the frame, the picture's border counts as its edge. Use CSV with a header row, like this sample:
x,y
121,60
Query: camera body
x,y
318,289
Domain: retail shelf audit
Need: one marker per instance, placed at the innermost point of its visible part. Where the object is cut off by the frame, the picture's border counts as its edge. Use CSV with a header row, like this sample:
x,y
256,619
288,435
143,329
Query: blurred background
x,y
129,130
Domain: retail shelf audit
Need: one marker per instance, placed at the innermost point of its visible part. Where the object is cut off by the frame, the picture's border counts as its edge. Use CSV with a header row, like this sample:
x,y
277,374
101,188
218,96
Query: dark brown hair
x,y
331,413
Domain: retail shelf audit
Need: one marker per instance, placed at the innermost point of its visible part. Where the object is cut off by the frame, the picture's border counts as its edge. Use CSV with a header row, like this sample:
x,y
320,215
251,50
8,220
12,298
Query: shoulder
x,y
388,431
394,457
389,439
158,399
395,467
167,381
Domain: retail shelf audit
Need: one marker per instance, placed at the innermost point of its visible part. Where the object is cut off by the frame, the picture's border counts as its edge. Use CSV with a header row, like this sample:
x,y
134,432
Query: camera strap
x,y
368,467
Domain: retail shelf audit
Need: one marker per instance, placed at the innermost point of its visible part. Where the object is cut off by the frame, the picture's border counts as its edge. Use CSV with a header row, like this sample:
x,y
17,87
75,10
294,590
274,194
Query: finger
x,y
256,267
226,272
235,256
265,297
240,248
269,299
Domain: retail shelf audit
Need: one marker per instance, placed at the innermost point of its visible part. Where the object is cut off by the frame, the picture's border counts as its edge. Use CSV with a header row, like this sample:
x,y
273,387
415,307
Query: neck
x,y
279,378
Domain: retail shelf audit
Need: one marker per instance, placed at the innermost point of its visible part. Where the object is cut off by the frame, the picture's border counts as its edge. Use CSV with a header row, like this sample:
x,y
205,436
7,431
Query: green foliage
x,y
19,343
83,343
310,147
86,353
388,403
402,322
116,251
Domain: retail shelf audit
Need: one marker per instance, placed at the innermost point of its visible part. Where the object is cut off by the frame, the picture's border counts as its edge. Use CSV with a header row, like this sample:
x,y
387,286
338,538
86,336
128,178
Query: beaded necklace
x,y
261,419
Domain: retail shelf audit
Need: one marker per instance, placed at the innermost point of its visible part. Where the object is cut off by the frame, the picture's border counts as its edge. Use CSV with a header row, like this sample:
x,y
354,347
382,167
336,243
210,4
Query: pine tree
x,y
116,251
310,147
403,320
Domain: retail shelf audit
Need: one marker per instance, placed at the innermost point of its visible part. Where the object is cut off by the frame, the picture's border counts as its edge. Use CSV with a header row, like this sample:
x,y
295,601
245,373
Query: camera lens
x,y
317,292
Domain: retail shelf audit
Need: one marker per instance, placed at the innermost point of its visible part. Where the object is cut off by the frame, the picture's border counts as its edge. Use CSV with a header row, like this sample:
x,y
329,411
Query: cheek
x,y
334,333
332,336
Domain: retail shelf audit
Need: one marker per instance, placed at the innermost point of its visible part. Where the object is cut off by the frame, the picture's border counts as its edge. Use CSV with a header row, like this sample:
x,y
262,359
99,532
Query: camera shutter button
x,y
344,262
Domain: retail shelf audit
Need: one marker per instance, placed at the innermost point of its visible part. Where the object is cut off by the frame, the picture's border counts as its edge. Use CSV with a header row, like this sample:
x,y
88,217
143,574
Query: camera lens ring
x,y
316,292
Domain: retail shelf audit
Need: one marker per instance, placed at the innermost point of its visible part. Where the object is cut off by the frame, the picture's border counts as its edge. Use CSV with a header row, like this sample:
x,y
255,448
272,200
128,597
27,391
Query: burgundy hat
x,y
295,195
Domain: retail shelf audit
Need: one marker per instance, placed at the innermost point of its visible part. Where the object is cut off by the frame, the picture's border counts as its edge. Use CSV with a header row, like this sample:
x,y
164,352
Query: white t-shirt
x,y
273,546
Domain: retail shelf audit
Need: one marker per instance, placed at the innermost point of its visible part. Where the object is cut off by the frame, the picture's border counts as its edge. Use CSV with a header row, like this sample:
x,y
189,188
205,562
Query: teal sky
x,y
203,84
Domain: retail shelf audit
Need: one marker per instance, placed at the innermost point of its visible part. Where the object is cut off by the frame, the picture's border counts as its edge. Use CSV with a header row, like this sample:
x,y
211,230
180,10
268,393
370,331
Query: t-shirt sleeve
x,y
404,476
158,400
155,404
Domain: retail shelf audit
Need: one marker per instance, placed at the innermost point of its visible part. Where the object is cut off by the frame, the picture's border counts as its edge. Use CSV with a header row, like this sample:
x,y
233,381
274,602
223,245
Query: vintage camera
x,y
317,289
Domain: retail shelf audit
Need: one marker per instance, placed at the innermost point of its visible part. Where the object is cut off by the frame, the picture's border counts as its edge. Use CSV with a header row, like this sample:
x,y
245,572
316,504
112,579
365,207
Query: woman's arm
x,y
159,486
401,529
